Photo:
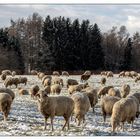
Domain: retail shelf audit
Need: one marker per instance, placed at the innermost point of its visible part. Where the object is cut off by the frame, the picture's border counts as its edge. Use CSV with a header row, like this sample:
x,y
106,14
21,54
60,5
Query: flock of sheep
x,y
119,104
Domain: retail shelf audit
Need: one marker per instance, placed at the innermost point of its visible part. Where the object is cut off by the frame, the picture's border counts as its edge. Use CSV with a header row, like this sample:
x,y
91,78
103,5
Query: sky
x,y
105,16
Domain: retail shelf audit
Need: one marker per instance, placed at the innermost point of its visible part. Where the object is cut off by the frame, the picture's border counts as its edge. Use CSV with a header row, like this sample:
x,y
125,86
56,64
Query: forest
x,y
59,43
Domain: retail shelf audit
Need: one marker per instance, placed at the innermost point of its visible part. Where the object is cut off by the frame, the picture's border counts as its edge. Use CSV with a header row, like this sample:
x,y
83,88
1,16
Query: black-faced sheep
x,y
55,106
23,80
3,76
103,81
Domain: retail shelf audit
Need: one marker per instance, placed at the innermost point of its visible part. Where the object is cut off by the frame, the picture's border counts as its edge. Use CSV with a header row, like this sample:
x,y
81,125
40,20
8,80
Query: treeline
x,y
62,44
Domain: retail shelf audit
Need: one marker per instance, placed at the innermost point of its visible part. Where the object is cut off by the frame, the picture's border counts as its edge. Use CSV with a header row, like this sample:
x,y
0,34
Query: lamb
x,y
122,74
103,81
56,89
13,73
22,91
81,106
65,73
55,106
114,92
125,90
107,104
92,95
56,73
7,72
5,104
23,80
33,91
110,74
9,91
124,110
33,72
3,76
71,82
104,90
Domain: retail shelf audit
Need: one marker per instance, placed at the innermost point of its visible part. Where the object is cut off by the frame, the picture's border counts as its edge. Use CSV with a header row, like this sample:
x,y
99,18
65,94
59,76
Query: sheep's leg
x,y
45,122
52,122
123,126
5,115
93,109
66,121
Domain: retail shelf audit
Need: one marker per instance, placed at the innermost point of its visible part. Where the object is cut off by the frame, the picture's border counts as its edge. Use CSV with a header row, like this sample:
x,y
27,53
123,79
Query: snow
x,y
25,119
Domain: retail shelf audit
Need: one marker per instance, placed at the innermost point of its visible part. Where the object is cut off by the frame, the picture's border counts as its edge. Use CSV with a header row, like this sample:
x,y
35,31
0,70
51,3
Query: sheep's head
x,y
41,95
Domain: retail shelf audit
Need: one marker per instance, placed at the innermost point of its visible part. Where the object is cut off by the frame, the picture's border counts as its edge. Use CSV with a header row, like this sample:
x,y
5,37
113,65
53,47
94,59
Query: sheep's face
x,y
41,95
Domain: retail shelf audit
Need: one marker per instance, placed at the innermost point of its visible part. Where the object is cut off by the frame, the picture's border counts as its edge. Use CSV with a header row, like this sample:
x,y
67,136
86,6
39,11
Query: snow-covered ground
x,y
25,119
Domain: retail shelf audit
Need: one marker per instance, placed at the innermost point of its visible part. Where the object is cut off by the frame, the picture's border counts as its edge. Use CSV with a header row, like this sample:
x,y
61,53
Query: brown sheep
x,y
11,81
55,106
33,91
104,90
56,89
71,82
56,73
5,104
23,80
103,81
107,104
81,106
65,73
125,90
124,110
22,91
92,95
84,77
114,92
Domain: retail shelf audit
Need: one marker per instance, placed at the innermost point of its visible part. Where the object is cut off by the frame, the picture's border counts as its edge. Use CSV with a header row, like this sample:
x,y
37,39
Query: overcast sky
x,y
105,16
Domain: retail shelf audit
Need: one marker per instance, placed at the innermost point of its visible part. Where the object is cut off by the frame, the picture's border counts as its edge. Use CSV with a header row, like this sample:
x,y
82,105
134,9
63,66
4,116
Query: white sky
x,y
105,16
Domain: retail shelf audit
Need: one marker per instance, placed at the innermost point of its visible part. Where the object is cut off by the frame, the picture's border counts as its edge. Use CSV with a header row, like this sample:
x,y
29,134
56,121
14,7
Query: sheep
x,y
107,104
46,77
13,73
22,91
47,82
110,74
65,73
3,76
137,78
40,75
85,77
133,74
74,88
104,73
114,92
9,91
11,81
81,106
56,73
128,74
33,91
33,72
125,90
5,104
23,80
56,89
124,110
122,74
103,81
7,72
92,95
57,80
71,82
55,106
87,72
103,91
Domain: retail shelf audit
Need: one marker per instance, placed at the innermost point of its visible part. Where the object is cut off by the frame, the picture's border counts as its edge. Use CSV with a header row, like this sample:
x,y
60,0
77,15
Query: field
x,y
25,119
